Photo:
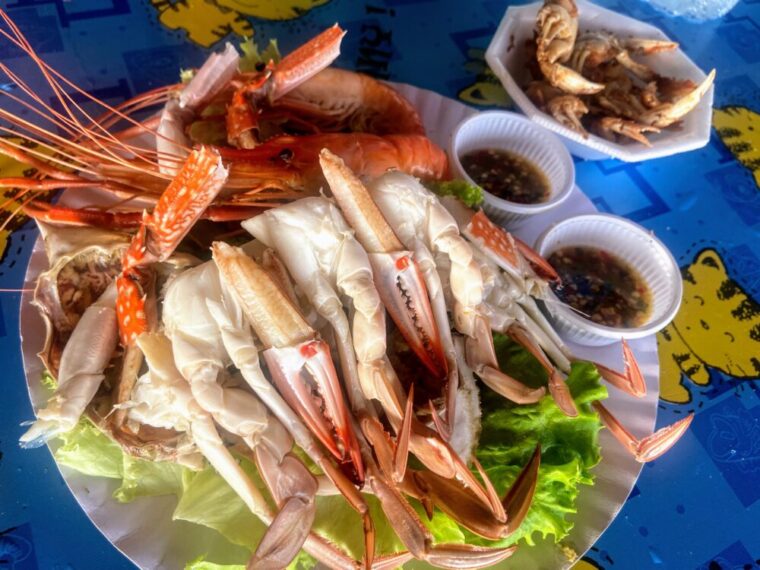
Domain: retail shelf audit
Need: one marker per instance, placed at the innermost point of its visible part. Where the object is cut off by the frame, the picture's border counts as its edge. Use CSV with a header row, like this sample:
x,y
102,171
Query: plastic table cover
x,y
698,506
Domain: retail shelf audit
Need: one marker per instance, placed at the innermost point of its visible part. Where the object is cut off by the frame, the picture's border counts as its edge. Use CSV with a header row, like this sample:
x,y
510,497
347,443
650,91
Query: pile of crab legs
x,y
320,287
595,74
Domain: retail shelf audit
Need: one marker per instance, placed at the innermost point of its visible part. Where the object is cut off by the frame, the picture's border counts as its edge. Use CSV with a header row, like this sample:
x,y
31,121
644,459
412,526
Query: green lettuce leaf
x,y
569,446
468,193
209,501
48,381
251,56
87,450
142,478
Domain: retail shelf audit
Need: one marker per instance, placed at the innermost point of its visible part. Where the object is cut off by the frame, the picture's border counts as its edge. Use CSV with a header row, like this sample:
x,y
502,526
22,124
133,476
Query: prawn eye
x,y
261,66
286,154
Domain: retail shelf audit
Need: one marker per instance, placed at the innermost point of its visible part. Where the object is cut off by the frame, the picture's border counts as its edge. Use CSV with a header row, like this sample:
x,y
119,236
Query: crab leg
x,y
83,361
556,31
401,286
472,515
240,345
420,219
290,482
650,447
632,380
417,538
401,280
297,359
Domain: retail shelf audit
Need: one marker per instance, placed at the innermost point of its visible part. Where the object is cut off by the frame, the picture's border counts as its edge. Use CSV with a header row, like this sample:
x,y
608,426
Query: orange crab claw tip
x,y
561,395
520,496
402,440
540,265
633,372
653,446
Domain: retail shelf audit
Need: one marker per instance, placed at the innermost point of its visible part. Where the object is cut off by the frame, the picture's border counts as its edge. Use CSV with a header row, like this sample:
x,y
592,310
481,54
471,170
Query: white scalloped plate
x,y
167,545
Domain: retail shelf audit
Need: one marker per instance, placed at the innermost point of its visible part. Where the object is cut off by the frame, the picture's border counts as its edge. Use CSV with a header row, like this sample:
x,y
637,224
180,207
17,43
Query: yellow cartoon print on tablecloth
x,y
739,129
208,21
486,90
718,326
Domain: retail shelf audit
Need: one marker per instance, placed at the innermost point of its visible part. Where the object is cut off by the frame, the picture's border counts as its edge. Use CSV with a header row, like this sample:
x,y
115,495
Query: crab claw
x,y
668,113
294,369
294,489
607,127
632,381
299,362
417,538
568,80
644,46
650,447
481,356
403,292
399,281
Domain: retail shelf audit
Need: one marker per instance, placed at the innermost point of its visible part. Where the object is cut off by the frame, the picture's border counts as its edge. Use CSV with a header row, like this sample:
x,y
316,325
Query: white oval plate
x,y
167,545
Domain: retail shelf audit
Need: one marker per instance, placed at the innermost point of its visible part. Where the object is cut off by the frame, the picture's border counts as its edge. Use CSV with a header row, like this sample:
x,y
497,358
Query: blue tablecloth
x,y
698,506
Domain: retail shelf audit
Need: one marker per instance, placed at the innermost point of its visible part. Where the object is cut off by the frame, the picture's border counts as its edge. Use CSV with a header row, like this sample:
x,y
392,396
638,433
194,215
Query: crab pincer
x,y
275,80
299,361
398,277
300,365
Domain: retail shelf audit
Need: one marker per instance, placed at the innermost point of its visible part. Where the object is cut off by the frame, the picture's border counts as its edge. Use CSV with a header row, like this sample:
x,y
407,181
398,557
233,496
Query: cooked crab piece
x,y
516,501
163,398
668,113
568,110
556,31
300,365
608,127
402,276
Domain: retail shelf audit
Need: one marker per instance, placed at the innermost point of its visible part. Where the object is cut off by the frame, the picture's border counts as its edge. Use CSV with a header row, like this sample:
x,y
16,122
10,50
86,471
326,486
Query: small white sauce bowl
x,y
631,243
502,130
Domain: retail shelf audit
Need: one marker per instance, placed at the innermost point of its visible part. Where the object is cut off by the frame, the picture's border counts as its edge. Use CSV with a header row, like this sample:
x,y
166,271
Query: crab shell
x,y
83,262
